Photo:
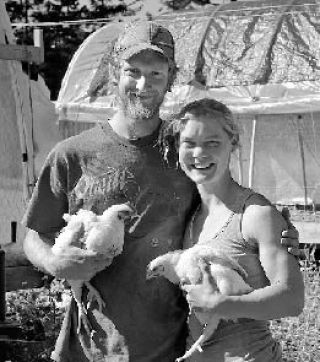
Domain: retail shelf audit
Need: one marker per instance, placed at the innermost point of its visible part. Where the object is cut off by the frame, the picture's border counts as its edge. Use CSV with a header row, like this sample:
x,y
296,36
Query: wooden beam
x,y
19,272
309,232
23,277
25,53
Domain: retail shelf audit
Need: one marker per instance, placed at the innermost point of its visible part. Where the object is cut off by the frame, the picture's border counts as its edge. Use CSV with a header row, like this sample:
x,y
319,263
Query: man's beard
x,y
135,109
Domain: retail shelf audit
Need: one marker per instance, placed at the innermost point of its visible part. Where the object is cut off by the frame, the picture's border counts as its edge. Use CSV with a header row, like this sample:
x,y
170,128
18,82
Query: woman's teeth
x,y
203,166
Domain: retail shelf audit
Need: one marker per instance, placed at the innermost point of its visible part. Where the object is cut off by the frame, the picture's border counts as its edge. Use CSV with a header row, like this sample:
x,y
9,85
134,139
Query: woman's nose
x,y
198,152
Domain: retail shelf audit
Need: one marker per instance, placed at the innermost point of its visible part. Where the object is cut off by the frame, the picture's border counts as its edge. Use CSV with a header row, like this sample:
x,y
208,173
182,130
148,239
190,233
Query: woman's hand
x,y
204,295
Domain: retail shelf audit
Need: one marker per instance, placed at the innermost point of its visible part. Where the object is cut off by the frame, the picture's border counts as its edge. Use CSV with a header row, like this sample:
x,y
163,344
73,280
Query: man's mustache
x,y
143,94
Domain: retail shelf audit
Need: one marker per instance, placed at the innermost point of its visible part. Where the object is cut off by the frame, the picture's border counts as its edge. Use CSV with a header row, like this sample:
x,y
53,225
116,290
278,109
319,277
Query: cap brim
x,y
136,49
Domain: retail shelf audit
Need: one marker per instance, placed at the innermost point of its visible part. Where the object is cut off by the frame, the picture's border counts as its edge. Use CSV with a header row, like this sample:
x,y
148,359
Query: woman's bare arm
x,y
285,294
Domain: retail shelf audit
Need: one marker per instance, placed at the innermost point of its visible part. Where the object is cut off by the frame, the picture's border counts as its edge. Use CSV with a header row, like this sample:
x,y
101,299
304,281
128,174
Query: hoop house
x,y
261,58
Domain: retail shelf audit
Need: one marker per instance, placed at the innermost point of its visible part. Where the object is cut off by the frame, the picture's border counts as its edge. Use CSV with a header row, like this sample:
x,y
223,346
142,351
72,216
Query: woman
x,y
243,224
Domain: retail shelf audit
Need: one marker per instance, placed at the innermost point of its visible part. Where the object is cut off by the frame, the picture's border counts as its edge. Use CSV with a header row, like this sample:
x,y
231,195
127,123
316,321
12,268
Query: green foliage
x,y
299,336
60,42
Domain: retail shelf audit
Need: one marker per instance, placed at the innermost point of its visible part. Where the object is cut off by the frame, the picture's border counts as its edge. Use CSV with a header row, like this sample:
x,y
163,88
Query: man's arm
x,y
72,262
290,236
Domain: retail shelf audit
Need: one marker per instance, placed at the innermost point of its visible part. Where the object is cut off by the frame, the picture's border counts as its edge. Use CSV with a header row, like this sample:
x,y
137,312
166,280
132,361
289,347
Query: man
x,y
116,162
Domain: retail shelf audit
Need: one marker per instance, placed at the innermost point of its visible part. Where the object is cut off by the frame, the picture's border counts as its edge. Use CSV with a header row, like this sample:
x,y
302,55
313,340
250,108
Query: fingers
x,y
292,233
77,232
286,215
207,277
290,242
295,251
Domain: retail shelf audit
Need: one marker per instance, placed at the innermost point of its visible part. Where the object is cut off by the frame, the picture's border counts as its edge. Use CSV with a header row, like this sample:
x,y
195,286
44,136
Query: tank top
x,y
243,339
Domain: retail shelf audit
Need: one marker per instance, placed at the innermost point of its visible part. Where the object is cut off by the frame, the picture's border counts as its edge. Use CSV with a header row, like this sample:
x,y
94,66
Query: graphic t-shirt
x,y
143,320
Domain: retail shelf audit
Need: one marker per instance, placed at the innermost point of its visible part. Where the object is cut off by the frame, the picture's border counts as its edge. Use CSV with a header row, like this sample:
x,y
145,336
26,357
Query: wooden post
x,y
303,162
8,330
38,41
2,287
252,152
31,55
240,167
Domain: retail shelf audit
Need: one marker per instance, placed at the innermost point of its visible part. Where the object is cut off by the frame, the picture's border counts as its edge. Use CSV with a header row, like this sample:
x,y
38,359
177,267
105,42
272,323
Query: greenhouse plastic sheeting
x,y
286,162
261,58
258,57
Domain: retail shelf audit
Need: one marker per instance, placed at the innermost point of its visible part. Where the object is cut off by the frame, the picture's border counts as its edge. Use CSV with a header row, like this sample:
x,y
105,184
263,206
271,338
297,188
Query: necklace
x,y
220,231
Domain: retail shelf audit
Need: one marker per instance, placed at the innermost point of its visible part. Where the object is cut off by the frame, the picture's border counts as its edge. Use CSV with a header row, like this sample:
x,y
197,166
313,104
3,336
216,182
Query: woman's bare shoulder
x,y
261,217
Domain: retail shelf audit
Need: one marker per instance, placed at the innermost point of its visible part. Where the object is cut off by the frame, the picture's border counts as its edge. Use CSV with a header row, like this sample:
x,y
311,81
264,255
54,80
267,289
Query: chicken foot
x,y
94,294
83,319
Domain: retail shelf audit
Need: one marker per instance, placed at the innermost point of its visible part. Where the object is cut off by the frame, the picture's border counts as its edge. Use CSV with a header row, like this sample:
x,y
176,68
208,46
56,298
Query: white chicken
x,y
103,234
183,267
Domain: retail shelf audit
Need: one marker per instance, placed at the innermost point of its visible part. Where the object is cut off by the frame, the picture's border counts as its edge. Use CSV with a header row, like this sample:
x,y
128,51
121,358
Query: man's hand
x,y
77,264
290,237
68,261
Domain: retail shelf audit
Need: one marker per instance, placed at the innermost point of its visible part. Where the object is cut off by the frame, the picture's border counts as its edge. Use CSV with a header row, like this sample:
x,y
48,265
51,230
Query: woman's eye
x,y
213,143
187,143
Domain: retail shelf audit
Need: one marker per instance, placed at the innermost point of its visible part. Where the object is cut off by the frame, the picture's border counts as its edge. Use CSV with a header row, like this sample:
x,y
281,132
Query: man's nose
x,y
143,83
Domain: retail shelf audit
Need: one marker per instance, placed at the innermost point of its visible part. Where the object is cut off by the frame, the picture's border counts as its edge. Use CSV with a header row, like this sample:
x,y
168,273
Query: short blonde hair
x,y
209,106
170,135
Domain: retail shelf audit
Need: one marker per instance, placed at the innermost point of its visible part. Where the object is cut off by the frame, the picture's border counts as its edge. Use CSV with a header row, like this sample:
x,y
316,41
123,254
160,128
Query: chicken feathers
x,y
183,267
103,234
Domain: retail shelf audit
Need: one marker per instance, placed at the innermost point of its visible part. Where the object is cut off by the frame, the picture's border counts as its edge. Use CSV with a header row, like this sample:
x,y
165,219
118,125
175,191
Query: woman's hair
x,y
202,107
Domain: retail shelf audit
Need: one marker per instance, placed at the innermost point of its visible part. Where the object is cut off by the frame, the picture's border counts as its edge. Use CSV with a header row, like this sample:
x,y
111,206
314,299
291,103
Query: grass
x,y
299,336
40,313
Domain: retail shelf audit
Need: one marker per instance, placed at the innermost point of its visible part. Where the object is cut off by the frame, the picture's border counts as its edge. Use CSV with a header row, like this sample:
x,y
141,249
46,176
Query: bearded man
x,y
115,162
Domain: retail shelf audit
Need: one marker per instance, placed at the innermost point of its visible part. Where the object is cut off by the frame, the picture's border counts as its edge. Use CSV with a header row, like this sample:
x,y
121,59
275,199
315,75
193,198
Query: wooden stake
x,y
252,152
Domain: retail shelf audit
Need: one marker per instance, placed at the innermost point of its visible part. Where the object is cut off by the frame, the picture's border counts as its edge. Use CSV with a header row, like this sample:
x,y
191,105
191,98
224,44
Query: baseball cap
x,y
141,35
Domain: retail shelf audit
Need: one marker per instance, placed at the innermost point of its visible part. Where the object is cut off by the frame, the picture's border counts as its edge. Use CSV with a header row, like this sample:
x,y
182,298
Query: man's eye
x,y
132,71
156,74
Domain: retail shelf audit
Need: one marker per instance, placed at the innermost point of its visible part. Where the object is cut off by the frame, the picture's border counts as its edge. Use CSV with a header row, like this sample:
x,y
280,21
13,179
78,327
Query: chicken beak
x,y
150,274
125,214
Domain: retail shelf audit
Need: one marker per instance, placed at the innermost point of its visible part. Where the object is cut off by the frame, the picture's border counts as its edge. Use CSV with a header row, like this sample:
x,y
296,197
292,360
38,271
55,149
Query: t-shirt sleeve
x,y
49,200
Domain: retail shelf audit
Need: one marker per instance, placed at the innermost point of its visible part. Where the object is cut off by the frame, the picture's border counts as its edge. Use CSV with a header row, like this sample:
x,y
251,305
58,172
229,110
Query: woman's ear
x,y
234,142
